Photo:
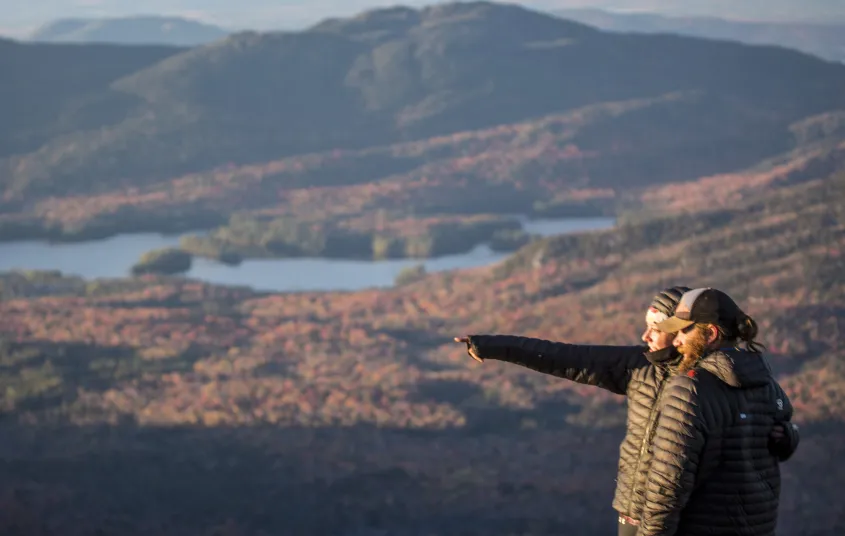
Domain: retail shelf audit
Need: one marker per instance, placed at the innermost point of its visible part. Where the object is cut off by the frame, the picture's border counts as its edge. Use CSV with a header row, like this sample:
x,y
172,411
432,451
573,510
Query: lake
x,y
113,257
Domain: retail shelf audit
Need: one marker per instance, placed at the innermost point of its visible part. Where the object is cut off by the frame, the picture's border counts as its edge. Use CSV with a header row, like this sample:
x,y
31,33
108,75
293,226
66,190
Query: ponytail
x,y
746,329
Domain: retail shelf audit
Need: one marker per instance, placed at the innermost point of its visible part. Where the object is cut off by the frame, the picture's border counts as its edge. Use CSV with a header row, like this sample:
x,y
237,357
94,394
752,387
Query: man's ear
x,y
712,334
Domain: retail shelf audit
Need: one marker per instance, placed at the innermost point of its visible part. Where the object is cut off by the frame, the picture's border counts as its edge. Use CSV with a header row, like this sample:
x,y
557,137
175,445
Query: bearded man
x,y
711,471
641,373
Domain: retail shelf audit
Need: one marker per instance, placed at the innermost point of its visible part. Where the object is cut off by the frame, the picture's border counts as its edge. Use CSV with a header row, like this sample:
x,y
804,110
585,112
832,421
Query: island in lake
x,y
163,261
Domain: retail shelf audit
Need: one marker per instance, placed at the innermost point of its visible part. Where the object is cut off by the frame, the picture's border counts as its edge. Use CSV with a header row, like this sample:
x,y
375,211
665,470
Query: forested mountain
x,y
384,76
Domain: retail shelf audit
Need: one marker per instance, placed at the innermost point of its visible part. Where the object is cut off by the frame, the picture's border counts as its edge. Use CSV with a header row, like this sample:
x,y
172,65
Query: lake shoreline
x,y
114,257
12,231
24,227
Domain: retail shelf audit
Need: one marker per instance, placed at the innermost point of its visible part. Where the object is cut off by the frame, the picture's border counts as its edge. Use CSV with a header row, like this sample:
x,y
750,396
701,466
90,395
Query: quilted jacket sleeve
x,y
608,367
679,440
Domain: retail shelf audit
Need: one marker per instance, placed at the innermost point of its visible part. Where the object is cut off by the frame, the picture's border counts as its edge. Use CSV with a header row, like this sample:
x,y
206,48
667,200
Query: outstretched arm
x,y
608,367
678,446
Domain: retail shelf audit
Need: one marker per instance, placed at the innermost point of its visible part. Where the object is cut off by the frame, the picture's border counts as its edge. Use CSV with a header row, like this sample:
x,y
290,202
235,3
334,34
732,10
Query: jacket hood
x,y
738,368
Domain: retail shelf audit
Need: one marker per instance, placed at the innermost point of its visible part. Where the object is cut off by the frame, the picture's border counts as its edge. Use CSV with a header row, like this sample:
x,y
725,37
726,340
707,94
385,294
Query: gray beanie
x,y
664,303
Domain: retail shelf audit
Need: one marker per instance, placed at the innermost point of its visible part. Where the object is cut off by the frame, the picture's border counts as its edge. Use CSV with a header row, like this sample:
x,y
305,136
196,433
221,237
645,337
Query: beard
x,y
693,348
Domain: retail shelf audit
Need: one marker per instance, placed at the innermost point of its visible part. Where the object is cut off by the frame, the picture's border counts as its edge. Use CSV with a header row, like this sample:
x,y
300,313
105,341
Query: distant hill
x,y
130,31
64,89
297,13
392,75
824,40
749,10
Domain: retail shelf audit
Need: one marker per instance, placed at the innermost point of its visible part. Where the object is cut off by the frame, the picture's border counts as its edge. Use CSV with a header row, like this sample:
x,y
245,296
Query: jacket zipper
x,y
645,441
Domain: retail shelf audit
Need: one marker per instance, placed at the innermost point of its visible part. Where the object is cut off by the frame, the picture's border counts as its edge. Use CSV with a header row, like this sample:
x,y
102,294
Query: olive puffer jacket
x,y
737,448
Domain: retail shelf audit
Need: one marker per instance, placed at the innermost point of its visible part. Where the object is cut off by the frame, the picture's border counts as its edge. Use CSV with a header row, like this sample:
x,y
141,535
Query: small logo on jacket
x,y
780,403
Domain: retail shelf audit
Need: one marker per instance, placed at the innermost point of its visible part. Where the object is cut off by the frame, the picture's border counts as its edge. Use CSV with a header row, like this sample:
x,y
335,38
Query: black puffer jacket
x,y
712,473
624,370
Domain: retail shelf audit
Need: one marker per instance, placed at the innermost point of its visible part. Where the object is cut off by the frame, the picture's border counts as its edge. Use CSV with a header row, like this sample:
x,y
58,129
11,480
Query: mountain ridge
x,y
823,39
130,30
254,97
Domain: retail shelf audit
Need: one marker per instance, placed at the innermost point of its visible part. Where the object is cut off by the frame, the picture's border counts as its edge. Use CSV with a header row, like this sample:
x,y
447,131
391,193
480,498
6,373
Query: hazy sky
x,y
20,17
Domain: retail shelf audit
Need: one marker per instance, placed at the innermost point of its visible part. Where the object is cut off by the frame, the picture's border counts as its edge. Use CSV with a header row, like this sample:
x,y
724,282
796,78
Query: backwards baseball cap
x,y
702,306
